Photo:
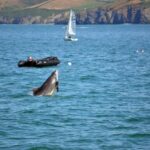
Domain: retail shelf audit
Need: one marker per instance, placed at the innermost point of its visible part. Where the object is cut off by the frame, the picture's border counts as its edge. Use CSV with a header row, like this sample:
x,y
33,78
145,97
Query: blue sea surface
x,y
104,97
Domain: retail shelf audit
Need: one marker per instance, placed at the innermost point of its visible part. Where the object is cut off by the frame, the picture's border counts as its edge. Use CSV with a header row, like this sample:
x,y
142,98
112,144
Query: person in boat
x,y
30,59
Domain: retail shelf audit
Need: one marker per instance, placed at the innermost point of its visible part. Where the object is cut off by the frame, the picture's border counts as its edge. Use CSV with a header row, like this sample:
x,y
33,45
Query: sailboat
x,y
71,28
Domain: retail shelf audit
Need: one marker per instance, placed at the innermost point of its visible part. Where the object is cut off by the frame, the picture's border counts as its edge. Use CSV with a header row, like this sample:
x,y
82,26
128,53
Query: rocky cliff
x,y
129,14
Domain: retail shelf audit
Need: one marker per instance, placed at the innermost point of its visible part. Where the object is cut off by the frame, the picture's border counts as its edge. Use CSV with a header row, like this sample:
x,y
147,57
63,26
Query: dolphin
x,y
48,87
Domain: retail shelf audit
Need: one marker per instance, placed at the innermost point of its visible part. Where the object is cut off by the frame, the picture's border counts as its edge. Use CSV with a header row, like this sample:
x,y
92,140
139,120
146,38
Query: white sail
x,y
71,28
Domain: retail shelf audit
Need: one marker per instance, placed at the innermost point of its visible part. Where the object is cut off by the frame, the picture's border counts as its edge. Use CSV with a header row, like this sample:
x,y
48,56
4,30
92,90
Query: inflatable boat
x,y
45,62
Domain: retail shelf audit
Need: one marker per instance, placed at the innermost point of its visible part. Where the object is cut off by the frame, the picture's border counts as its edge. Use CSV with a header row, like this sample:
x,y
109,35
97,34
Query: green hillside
x,y
21,8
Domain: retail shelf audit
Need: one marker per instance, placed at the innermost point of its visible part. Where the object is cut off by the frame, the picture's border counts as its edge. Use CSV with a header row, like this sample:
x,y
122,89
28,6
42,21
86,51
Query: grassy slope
x,y
67,4
46,7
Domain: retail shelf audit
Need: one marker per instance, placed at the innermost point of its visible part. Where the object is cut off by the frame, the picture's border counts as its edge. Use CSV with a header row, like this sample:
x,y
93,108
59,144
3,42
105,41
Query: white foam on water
x,y
140,51
30,93
69,63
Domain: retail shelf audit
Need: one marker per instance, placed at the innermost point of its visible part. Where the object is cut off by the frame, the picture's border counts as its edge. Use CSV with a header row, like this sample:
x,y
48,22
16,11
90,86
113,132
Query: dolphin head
x,y
54,75
49,86
56,80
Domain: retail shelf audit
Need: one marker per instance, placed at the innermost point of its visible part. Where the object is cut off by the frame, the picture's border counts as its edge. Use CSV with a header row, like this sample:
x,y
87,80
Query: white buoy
x,y
69,63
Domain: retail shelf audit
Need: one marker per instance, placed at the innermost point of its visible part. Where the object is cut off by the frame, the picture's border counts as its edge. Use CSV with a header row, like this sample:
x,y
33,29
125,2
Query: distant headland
x,y
87,11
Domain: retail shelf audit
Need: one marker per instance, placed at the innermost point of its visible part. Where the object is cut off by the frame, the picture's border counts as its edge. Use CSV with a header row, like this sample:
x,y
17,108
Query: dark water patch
x,y
45,148
127,128
137,120
66,97
139,135
3,133
46,123
20,95
133,120
39,148
146,74
94,92
114,147
88,77
81,140
102,115
30,111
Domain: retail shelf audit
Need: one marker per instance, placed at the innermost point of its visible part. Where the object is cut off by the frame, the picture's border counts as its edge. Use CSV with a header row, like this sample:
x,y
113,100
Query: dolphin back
x,y
36,91
48,87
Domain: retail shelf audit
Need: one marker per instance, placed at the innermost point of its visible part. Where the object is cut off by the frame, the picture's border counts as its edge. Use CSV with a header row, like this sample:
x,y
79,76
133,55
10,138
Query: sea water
x,y
103,101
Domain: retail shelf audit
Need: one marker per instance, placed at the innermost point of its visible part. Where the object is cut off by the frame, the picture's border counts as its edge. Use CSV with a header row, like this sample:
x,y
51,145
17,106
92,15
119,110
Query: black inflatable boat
x,y
48,61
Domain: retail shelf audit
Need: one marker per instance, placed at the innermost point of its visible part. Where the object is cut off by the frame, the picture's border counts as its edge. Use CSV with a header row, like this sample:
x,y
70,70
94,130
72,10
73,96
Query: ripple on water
x,y
139,135
40,148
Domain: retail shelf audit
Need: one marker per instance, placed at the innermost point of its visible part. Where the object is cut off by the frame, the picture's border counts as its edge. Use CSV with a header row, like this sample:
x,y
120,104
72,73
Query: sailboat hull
x,y
70,39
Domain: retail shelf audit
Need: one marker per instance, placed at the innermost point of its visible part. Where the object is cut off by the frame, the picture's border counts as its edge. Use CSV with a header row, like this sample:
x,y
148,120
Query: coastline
x,y
129,14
